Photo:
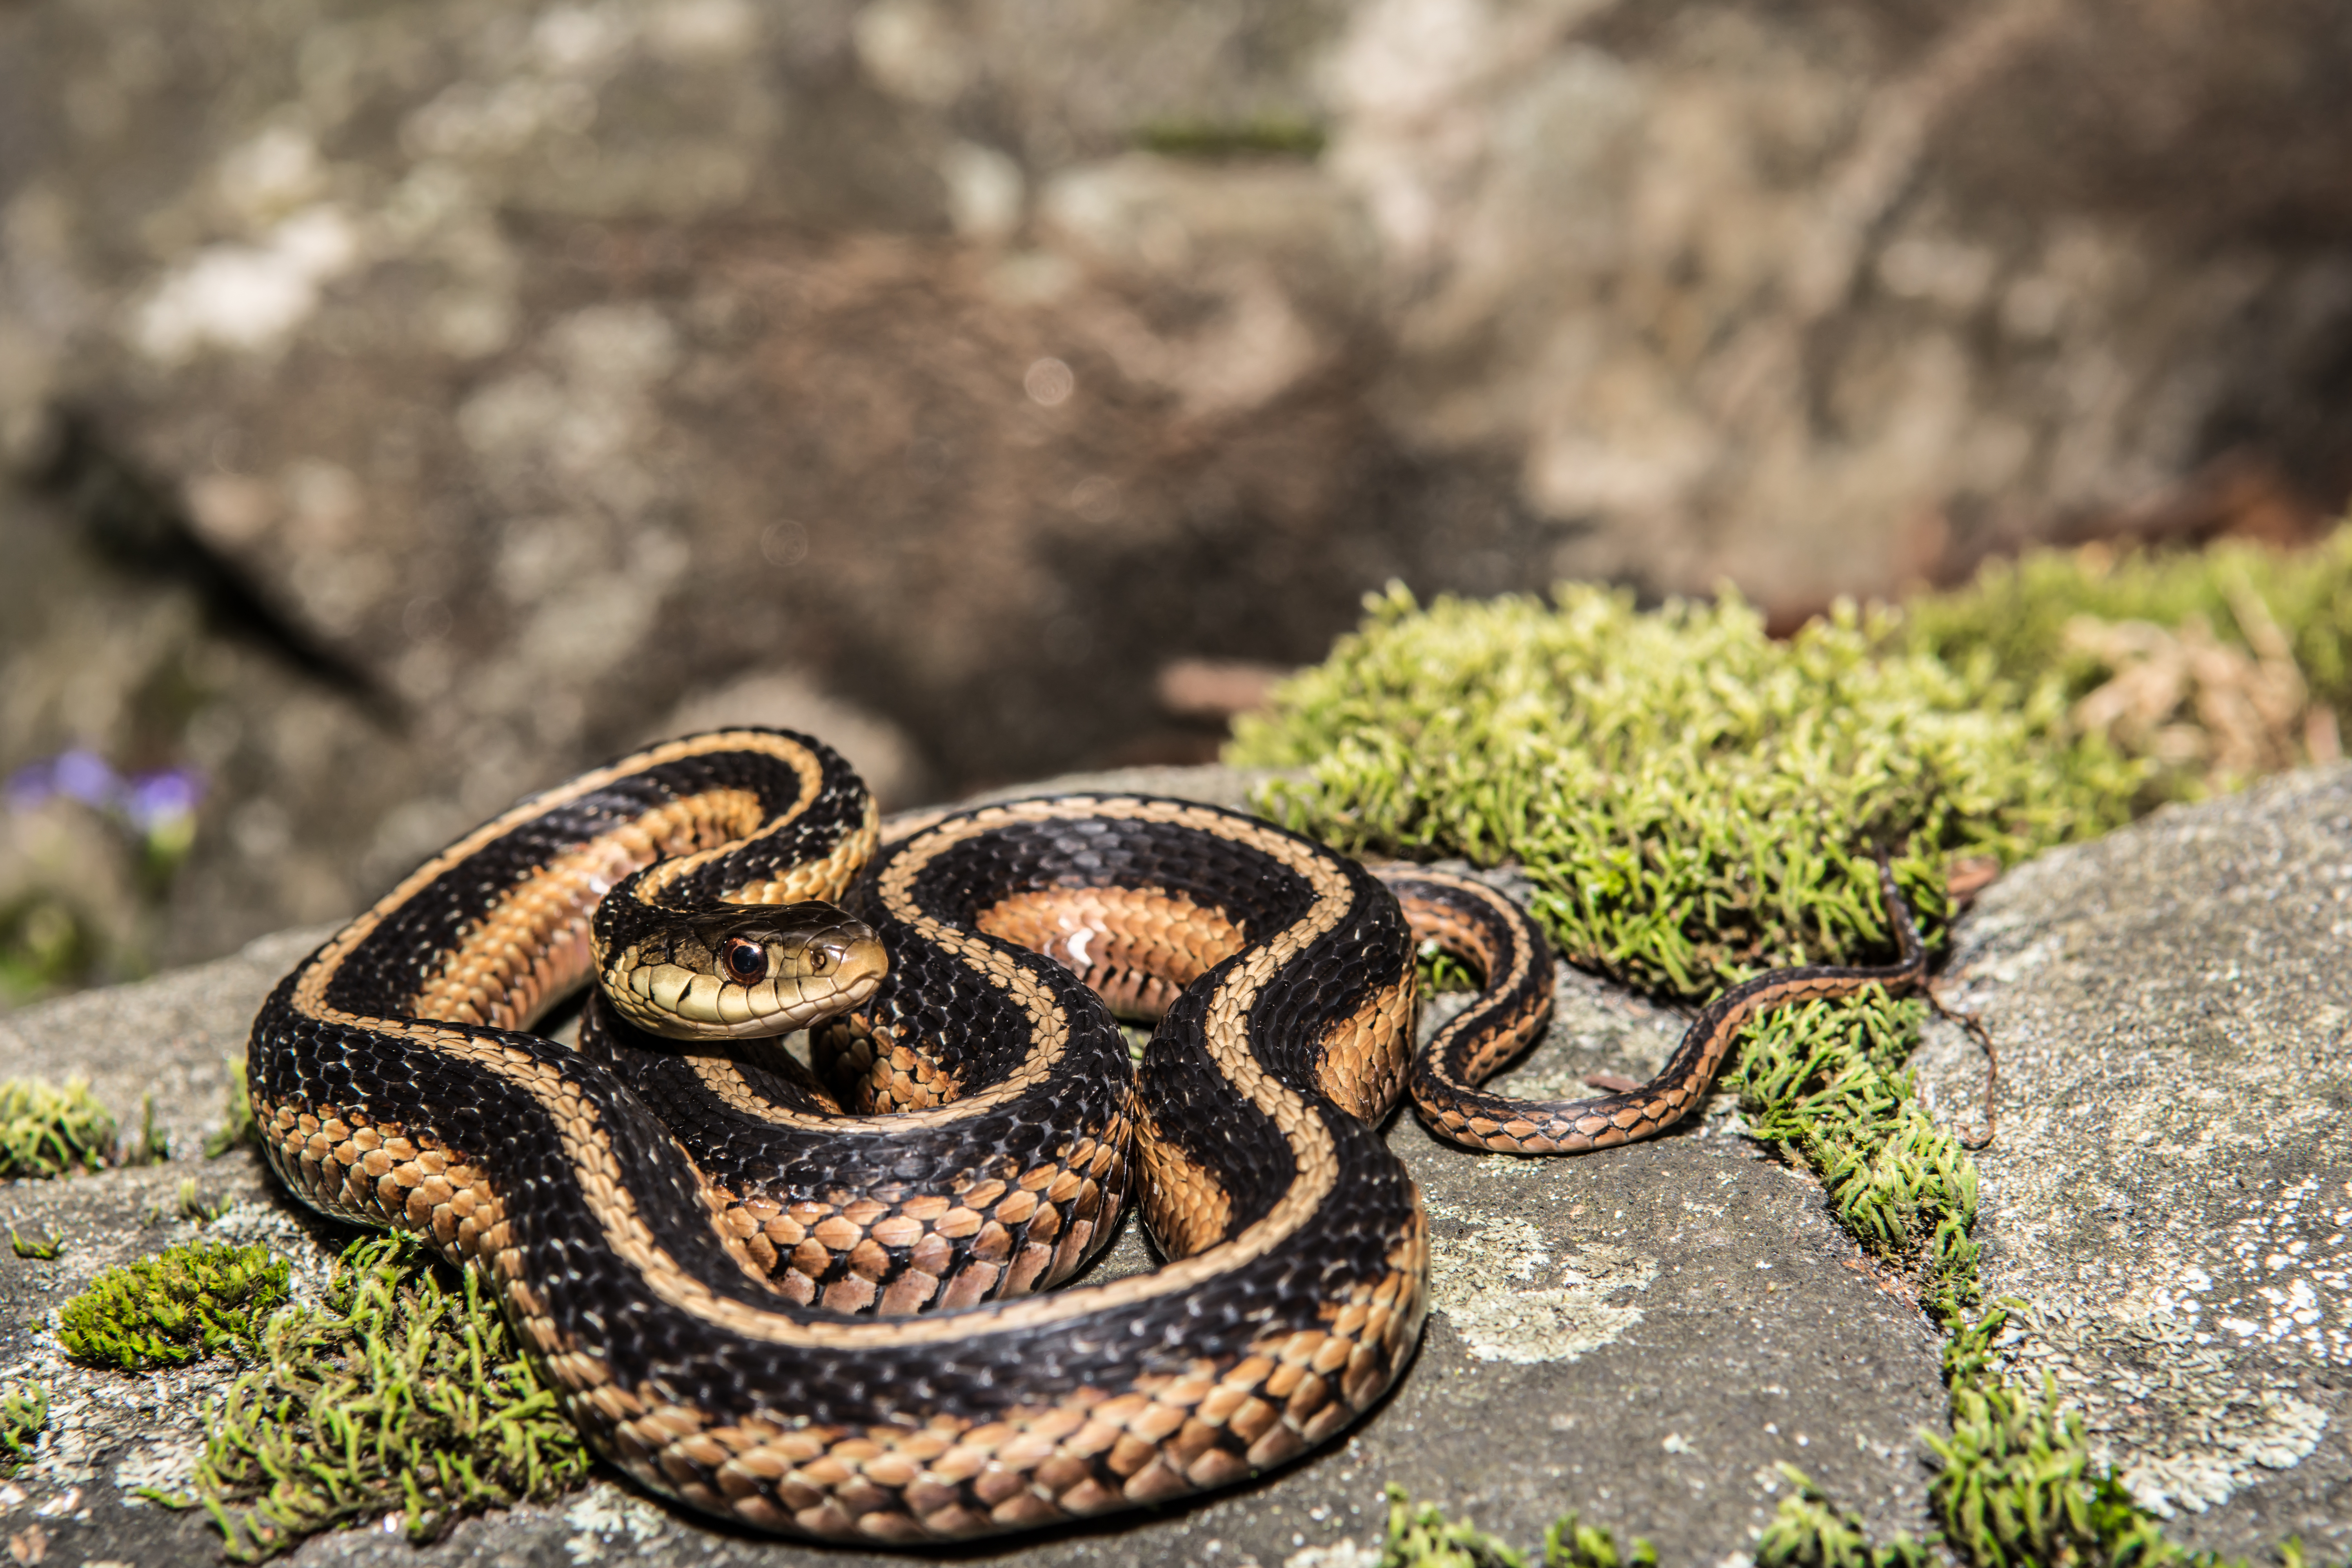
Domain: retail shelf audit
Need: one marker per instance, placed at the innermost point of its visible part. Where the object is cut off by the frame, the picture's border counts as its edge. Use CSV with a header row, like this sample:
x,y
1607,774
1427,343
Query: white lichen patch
x,y
137,1430
604,1515
2184,1423
164,1463
1338,1554
1511,1298
2292,1250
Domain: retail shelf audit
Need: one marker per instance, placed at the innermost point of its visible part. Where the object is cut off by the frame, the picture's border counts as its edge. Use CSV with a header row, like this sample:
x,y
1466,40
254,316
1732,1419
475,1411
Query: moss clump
x,y
407,1395
39,1245
237,1128
1271,136
1809,1532
24,1416
151,1146
1692,800
1826,1082
174,1309
2211,667
1424,1537
2016,1486
46,1130
199,1209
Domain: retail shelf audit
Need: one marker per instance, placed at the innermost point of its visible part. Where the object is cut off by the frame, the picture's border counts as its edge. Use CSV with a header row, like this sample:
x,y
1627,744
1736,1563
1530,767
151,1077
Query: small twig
x,y
1983,1036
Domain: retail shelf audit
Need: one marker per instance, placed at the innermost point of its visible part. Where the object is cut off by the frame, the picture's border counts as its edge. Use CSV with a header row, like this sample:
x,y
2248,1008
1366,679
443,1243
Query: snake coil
x,y
806,1296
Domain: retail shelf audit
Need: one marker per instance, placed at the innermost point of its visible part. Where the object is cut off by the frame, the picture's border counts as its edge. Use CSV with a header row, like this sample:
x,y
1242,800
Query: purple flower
x,y
152,803
31,785
84,775
162,799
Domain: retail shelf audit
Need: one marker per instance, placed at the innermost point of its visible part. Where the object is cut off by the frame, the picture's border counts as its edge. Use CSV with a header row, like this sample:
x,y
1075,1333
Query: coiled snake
x,y
806,1298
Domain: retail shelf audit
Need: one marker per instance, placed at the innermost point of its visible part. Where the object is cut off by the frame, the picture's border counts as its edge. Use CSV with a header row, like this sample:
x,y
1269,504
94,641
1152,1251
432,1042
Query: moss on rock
x,y
46,1130
407,1396
2209,667
1692,800
24,1416
174,1309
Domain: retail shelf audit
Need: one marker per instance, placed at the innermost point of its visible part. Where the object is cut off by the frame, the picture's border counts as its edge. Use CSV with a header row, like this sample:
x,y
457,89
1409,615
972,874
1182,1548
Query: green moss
x,y
24,1416
2016,1485
1808,1532
237,1128
174,1309
1827,1084
46,1130
151,1146
407,1396
38,1245
1570,1545
2026,620
1424,1537
1692,800
2017,612
198,1207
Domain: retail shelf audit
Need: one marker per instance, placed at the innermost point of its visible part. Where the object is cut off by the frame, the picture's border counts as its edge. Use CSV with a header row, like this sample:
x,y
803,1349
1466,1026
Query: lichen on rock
x,y
1511,1298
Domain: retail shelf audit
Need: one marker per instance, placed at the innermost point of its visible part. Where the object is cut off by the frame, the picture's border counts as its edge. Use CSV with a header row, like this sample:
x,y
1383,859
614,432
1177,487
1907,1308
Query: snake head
x,y
742,974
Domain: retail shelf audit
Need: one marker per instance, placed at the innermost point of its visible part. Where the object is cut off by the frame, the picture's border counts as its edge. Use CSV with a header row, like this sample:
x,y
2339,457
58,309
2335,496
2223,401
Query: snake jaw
x,y
687,982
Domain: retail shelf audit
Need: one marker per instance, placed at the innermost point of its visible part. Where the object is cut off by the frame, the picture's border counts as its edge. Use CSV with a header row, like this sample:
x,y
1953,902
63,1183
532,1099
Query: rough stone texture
x,y
1641,1334
539,371
2171,1189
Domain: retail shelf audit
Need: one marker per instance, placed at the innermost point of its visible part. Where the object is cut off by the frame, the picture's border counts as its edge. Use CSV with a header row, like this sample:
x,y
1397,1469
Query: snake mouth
x,y
742,975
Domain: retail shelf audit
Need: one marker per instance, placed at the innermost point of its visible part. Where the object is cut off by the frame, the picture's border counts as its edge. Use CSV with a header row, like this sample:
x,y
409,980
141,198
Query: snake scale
x,y
807,1295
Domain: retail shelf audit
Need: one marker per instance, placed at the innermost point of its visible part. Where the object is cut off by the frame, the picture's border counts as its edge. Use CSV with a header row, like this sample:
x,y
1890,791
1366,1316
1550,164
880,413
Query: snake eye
x,y
746,960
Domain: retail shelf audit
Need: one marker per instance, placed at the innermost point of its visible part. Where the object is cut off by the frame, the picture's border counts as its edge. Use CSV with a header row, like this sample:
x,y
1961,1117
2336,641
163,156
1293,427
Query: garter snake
x,y
806,1295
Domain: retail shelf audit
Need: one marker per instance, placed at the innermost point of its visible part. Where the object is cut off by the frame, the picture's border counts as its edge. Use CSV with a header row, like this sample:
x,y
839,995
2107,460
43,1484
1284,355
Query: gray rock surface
x,y
2171,1189
1642,1335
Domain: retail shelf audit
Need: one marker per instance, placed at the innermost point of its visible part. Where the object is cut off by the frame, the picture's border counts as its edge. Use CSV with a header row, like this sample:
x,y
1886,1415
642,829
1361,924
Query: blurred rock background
x,y
403,406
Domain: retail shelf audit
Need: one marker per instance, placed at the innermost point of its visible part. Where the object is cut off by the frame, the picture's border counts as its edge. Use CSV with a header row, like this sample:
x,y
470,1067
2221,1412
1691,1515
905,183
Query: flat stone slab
x,y
1641,1334
2171,1189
